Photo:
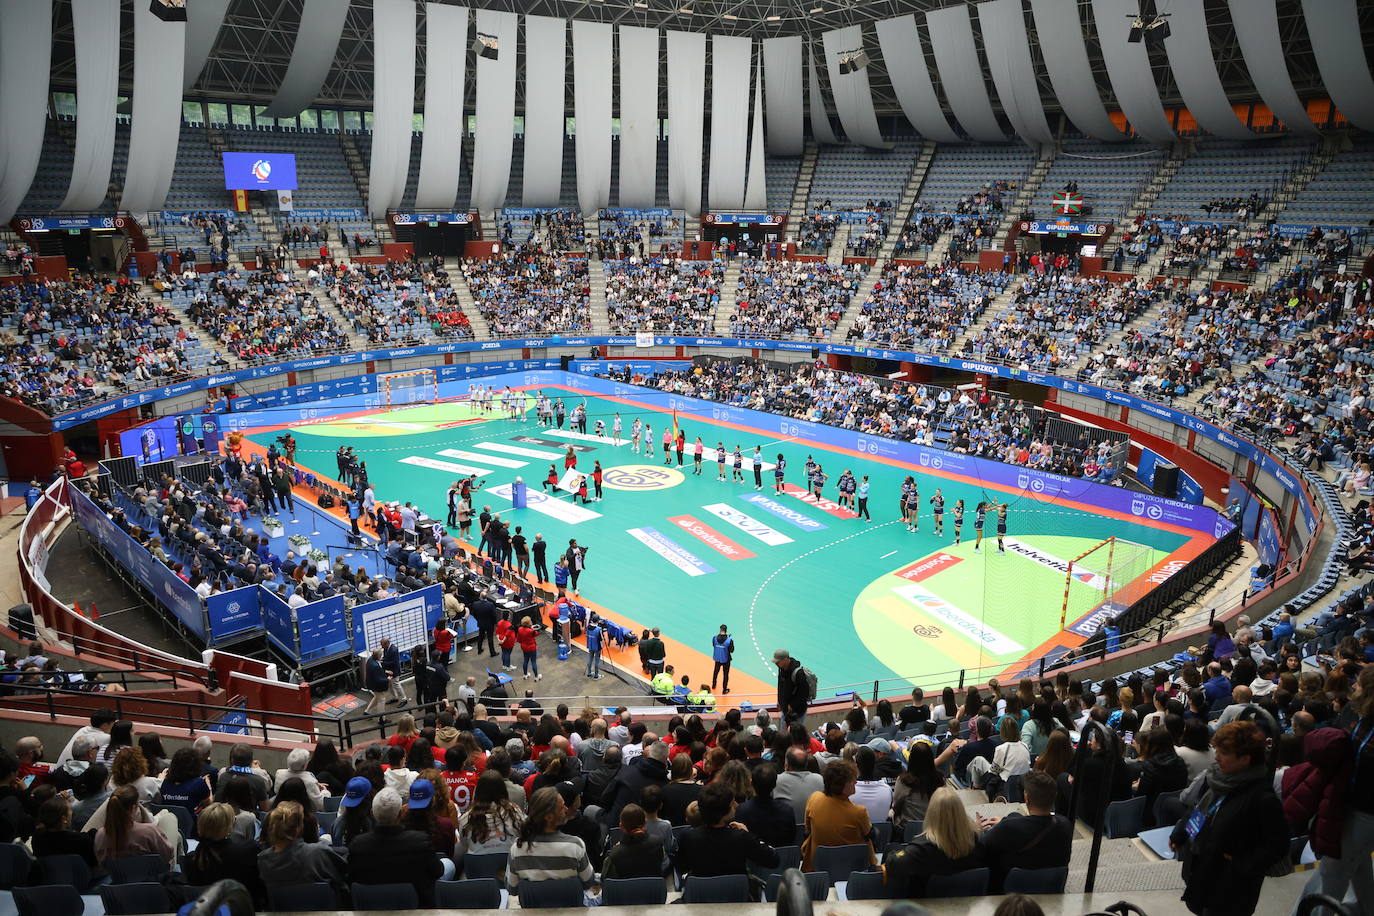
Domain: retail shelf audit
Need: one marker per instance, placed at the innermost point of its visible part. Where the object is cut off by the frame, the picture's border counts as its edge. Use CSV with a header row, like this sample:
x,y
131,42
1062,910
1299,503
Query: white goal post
x,y
414,386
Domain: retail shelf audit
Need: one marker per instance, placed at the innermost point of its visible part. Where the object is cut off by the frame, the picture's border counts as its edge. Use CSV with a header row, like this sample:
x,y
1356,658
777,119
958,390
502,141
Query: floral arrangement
x,y
317,556
271,523
299,542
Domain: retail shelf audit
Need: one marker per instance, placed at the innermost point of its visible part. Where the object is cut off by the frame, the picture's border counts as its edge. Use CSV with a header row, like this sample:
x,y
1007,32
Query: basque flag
x,y
1068,203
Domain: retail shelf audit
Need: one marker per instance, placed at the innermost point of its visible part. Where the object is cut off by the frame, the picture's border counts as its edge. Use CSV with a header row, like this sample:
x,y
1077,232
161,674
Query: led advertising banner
x,y
259,171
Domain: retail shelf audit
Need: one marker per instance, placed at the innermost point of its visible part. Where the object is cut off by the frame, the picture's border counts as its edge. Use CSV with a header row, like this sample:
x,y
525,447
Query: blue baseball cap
x,y
358,789
421,793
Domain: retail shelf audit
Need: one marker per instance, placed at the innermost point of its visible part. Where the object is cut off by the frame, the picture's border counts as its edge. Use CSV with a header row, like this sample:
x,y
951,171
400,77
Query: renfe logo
x,y
924,569
711,537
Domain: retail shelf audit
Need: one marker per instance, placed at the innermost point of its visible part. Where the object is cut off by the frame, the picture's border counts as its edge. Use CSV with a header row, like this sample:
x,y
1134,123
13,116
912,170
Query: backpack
x,y
325,501
808,680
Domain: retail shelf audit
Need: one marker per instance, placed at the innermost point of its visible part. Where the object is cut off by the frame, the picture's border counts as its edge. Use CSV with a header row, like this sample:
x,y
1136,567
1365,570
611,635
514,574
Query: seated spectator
x,y
54,835
912,793
423,814
220,854
289,860
719,845
636,855
1160,769
293,790
1037,839
949,845
493,821
124,834
97,733
90,789
797,783
186,783
391,853
237,792
870,791
831,818
768,818
542,852
1093,795
297,766
681,792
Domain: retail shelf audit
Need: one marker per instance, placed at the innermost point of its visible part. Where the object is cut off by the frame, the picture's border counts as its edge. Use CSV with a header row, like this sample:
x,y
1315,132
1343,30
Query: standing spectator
x,y
577,562
722,651
1338,870
832,819
794,691
529,649
1236,829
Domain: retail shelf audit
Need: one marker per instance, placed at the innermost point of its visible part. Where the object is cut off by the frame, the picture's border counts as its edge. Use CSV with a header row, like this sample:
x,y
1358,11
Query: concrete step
x,y
725,309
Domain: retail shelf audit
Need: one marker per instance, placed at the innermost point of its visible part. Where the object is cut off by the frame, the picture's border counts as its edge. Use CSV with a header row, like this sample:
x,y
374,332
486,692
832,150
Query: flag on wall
x,y
241,201
1068,203
284,201
675,425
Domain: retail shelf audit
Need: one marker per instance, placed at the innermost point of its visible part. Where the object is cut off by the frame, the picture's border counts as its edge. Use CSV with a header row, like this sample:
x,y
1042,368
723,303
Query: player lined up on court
x,y
937,507
846,486
697,450
910,504
636,430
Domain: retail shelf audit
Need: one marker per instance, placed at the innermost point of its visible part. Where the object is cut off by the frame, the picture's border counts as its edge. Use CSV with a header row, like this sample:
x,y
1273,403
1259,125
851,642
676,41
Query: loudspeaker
x,y
565,363
815,352
1166,479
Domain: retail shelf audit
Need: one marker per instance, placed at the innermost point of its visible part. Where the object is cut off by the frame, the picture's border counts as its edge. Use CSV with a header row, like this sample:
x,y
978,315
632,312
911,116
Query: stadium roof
x,y
249,58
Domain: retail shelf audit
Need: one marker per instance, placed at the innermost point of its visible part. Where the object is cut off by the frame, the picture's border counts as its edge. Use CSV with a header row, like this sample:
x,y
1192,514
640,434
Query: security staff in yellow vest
x,y
702,701
662,685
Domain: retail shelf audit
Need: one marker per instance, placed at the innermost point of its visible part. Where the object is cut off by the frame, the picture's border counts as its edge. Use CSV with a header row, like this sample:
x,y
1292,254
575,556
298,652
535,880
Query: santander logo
x,y
711,537
924,569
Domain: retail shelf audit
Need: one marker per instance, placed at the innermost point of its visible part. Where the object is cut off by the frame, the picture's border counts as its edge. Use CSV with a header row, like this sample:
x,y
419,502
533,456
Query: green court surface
x,y
856,601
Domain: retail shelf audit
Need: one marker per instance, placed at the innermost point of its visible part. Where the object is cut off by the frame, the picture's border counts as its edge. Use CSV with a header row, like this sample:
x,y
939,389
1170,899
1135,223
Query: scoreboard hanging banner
x,y
60,223
1068,203
1045,227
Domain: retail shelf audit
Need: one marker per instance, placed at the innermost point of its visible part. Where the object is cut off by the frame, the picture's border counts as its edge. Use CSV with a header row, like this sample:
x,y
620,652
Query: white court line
x,y
583,437
449,466
886,555
488,459
519,450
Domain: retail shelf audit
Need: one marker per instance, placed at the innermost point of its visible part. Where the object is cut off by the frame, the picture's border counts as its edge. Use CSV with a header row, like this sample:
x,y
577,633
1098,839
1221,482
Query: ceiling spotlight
x,y
773,18
1142,28
684,9
817,9
640,4
851,61
730,16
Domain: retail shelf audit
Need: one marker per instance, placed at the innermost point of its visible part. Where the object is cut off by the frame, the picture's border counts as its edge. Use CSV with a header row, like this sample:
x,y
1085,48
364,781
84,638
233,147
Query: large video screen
x,y
259,171
167,437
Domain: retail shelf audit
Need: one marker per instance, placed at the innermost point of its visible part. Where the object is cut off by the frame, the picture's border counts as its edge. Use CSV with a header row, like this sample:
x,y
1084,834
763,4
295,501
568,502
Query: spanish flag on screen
x,y
675,424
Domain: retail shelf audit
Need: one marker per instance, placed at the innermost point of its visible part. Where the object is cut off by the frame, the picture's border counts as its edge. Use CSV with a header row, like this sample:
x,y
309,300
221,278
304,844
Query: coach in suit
x,y
391,664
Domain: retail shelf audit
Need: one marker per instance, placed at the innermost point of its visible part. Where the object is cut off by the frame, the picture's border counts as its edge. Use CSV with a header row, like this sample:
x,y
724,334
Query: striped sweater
x,y
549,856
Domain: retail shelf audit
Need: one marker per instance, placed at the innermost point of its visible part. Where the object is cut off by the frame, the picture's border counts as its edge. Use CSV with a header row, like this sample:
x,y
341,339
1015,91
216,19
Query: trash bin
x,y
21,621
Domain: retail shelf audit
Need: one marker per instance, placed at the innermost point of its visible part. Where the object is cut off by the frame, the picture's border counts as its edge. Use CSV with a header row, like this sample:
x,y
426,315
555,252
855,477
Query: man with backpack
x,y
796,686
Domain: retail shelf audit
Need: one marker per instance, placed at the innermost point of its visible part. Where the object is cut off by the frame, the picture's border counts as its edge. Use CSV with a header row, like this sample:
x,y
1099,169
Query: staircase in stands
x,y
596,286
834,255
905,204
1024,195
459,282
1000,304
729,289
801,192
1168,168
591,230
327,305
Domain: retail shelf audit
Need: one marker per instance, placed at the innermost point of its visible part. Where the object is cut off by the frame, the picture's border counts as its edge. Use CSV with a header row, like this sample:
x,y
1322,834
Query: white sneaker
x,y
539,677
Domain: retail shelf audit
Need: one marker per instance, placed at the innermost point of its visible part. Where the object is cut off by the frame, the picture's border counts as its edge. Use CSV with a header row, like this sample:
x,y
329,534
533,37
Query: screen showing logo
x,y
259,171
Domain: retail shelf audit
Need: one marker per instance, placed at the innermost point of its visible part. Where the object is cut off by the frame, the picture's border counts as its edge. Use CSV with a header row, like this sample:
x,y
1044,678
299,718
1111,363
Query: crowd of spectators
x,y
978,424
266,315
924,307
921,232
397,303
663,294
64,343
529,291
1255,252
866,238
779,298
970,236
1193,246
1242,207
621,237
17,259
986,200
1056,318
817,231
551,230
470,780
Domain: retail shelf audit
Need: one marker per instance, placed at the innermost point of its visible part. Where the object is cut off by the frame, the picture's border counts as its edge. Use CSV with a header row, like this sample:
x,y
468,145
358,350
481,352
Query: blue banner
x,y
631,213
1267,539
411,219
1293,229
1189,490
58,223
233,612
1145,468
1045,227
322,628
276,618
161,582
174,216
530,212
749,219
328,214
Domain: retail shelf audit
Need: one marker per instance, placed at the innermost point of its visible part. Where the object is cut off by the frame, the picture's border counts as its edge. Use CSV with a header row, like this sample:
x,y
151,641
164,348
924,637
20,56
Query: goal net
x,y
416,386
1096,582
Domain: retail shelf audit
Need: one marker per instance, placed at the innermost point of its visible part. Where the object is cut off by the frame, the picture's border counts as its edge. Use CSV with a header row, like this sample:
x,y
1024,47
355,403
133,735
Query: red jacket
x,y
505,634
528,638
1314,790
